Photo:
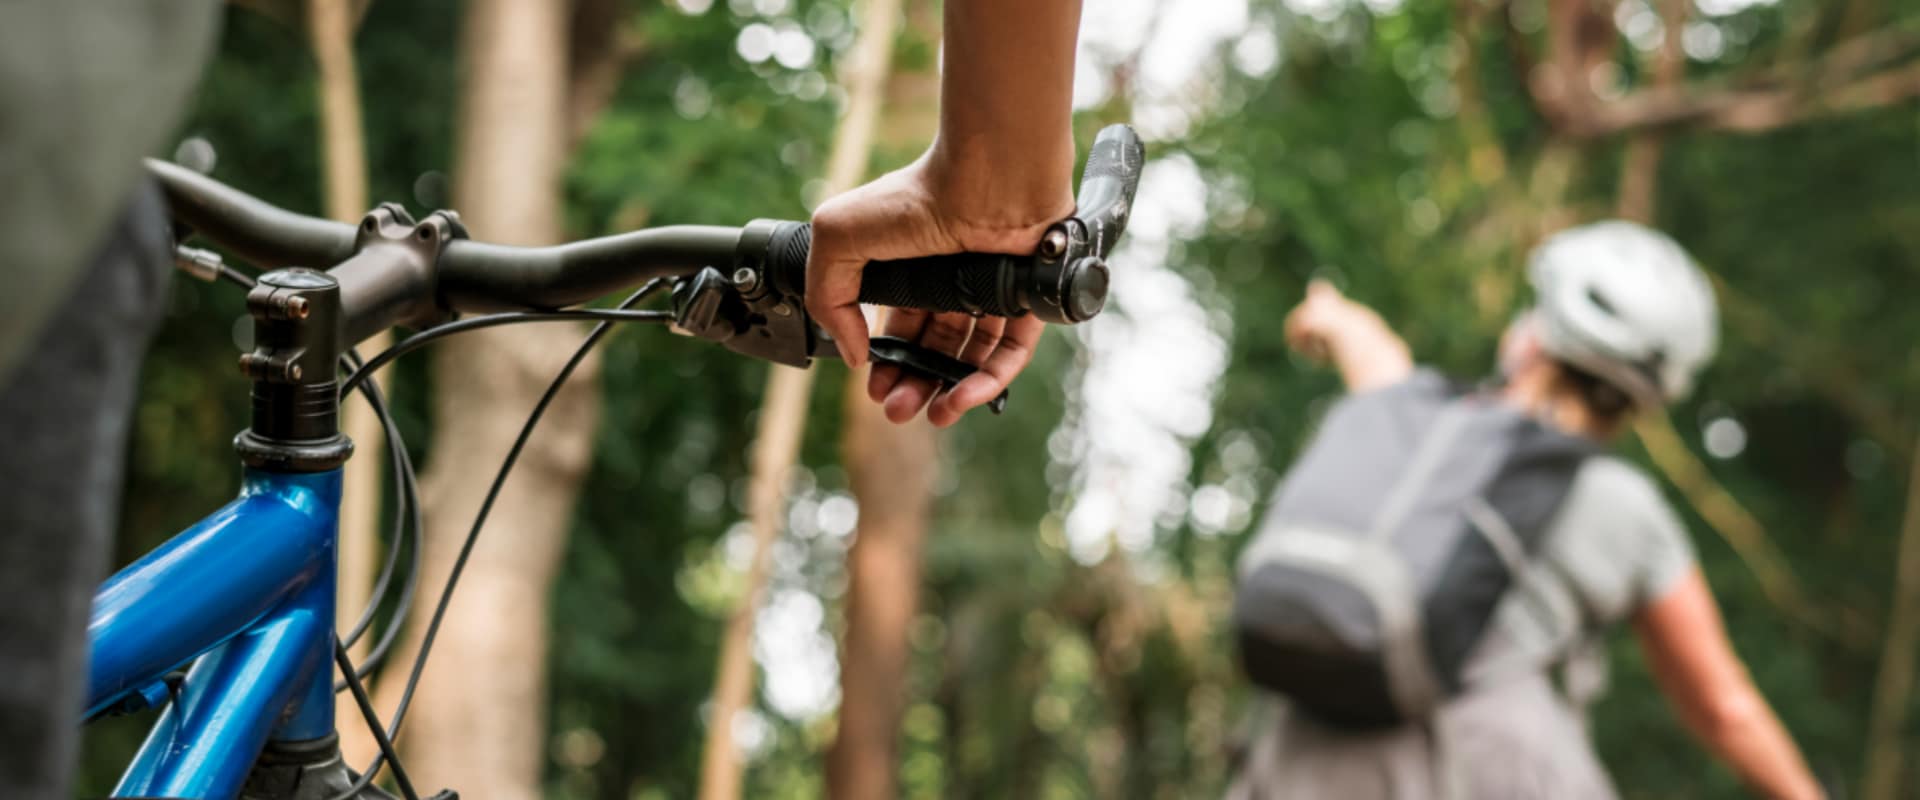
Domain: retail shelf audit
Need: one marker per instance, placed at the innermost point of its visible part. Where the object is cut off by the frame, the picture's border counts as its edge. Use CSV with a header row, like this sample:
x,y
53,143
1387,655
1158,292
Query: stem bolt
x,y
1054,244
298,308
745,279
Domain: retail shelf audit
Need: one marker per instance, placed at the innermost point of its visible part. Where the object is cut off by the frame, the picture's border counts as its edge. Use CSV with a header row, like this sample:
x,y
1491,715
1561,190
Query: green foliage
x,y
1036,675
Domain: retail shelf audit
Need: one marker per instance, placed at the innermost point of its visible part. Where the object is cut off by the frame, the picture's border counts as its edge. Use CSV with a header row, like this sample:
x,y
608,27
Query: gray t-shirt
x,y
1614,546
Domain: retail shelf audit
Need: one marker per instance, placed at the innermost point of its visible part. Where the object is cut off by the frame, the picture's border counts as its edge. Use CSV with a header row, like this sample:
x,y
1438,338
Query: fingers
x,y
895,218
978,342
1304,335
886,219
946,333
1296,328
906,324
1010,352
987,332
833,291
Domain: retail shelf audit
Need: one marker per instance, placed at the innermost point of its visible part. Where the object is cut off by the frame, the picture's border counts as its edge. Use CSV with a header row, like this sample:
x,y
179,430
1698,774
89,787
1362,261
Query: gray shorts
x,y
1519,740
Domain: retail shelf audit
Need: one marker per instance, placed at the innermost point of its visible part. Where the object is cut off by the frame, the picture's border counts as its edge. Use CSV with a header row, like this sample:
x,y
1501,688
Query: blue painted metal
x,y
252,587
204,744
309,711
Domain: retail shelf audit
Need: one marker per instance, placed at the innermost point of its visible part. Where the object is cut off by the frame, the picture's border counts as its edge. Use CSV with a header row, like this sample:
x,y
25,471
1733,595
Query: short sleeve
x,y
1617,541
1424,382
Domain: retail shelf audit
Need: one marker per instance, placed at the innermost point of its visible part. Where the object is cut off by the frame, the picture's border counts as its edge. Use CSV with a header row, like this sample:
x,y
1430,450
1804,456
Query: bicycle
x,y
228,627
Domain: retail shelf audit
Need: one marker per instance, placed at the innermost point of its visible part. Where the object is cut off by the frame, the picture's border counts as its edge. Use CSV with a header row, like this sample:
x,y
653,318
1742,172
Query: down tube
x,y
205,743
255,582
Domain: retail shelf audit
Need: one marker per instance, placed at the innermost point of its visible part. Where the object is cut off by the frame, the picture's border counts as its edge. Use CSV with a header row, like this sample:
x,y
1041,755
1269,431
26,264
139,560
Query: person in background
x,y
1622,322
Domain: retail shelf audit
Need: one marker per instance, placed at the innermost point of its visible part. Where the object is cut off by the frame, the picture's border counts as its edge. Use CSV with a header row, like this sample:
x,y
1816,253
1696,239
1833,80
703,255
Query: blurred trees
x,y
890,468
783,411
483,726
1068,643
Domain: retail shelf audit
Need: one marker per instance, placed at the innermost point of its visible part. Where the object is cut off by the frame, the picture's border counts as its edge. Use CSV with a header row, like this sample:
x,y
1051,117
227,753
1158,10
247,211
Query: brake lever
x,y
927,363
912,359
732,312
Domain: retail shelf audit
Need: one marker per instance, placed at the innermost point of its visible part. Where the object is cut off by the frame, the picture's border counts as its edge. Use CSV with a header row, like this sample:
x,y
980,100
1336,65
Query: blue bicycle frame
x,y
247,596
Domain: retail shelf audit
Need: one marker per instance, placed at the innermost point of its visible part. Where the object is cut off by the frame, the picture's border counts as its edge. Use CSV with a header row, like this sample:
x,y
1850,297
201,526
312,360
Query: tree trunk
x,y
1639,176
1893,689
891,470
783,417
478,722
343,154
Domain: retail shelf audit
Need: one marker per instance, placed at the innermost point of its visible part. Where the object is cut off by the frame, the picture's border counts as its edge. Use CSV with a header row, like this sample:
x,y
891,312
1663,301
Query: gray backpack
x,y
1389,545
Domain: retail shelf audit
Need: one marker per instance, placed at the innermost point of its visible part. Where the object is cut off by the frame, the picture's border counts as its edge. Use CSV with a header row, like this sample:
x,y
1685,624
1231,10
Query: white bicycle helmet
x,y
1626,304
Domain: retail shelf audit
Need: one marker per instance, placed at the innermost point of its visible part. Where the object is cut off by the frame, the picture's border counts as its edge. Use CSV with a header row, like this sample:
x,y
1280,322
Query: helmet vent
x,y
1600,301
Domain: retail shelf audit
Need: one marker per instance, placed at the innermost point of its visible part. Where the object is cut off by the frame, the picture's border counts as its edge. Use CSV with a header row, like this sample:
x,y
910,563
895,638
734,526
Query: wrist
x,y
999,187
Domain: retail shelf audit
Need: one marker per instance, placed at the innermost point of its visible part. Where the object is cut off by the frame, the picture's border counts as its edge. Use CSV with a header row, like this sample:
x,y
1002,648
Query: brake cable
x,y
407,500
414,342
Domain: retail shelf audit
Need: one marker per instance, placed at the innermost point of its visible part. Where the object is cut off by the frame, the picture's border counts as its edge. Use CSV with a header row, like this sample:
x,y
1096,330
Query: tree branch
x,y
1735,524
1639,176
1893,688
1772,98
1827,371
1486,160
1745,110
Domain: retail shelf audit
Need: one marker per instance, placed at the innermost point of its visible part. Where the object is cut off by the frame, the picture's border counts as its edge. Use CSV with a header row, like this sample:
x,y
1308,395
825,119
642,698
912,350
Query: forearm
x,y
1367,352
1004,154
1694,663
1751,741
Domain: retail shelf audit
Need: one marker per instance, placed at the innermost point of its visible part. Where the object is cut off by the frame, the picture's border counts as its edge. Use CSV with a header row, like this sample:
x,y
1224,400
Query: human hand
x,y
927,208
1310,324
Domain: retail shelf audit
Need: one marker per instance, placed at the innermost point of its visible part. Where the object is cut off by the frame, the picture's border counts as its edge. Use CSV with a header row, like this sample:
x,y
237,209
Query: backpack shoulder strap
x,y
1426,460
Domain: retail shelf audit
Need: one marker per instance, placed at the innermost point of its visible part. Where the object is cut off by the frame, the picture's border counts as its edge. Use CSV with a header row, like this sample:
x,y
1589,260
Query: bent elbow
x,y
1730,715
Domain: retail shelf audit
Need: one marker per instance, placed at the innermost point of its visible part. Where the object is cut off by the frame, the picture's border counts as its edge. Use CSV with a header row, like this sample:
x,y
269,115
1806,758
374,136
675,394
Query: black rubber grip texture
x,y
976,283
787,257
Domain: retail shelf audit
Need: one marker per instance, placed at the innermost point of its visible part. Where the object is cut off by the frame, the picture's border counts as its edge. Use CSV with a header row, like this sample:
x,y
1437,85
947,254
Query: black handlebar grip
x,y
977,283
786,255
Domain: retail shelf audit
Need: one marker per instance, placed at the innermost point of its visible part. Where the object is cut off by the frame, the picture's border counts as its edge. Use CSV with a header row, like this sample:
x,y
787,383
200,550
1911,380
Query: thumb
x,y
833,298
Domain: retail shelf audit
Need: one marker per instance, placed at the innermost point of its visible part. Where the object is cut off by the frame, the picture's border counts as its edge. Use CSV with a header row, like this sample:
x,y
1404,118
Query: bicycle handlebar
x,y
470,275
418,282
